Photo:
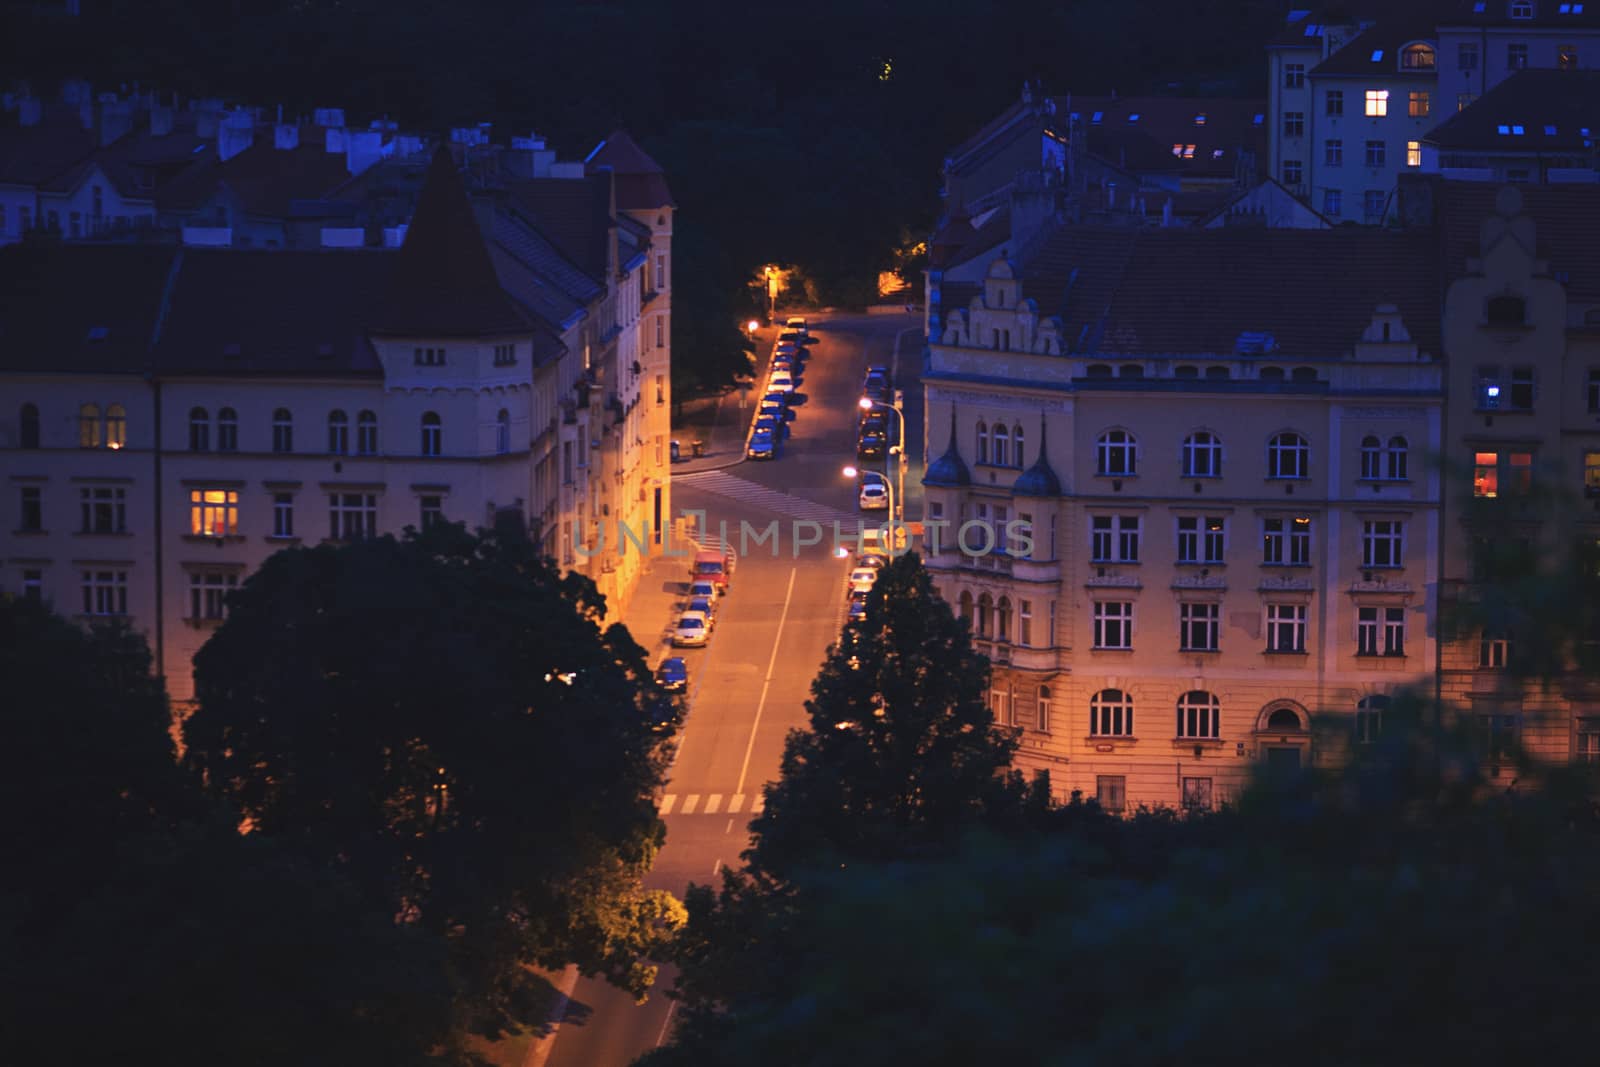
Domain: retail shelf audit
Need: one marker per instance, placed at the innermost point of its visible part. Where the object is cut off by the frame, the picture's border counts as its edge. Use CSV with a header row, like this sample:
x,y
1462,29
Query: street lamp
x,y
893,541
867,404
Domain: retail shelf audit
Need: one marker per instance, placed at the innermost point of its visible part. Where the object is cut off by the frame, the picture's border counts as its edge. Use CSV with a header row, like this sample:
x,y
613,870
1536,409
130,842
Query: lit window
x,y
1377,102
1377,55
1419,104
1416,57
1132,118
1200,119
1591,474
1413,153
116,426
214,512
1188,151
1286,542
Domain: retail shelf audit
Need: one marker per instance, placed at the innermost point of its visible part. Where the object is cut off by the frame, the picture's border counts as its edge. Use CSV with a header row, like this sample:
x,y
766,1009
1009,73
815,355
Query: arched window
x,y
282,431
1202,455
1016,446
1111,714
1371,457
1271,374
338,433
1098,370
1002,445
985,627
1199,715
1115,453
432,435
1304,374
964,606
1416,57
1043,709
227,430
367,433
116,426
1284,719
1002,619
1131,370
1369,718
199,430
1397,457
1288,456
983,442
502,432
29,426
89,426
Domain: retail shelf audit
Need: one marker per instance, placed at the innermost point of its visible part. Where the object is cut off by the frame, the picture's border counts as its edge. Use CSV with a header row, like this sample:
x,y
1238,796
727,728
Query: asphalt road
x,y
748,688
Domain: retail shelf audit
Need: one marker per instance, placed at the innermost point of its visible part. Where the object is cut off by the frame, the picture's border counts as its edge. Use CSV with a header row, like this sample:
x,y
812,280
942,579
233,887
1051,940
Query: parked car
x,y
783,363
702,587
706,606
664,715
772,404
693,630
795,322
763,445
713,566
874,494
858,607
870,446
786,348
862,578
770,422
792,336
673,674
781,381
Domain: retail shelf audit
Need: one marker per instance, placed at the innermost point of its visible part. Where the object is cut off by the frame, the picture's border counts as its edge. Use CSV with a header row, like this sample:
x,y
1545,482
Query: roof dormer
x,y
1001,288
1418,56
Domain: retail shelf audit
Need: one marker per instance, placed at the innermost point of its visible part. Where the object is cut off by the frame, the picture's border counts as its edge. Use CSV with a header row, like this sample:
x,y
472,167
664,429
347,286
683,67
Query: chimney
x,y
160,120
207,117
363,148
113,119
75,92
330,117
238,133
29,111
333,140
285,135
566,170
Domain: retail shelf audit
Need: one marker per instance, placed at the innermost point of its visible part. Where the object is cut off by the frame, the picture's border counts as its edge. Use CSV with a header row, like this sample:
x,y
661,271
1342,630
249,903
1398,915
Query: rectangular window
x,y
661,389
1335,99
1333,152
1566,57
1380,631
1418,103
32,514
661,272
1516,57
1586,748
208,593
1332,203
1286,627
1287,542
105,592
661,331
1294,123
1381,543
1467,55
1293,172
1591,474
1111,791
352,516
1199,627
505,355
1464,100
104,510
282,514
1494,652
33,585
1294,75
1376,153
1413,153
566,463
1377,103
432,511
1498,737
1197,794
429,357
1200,539
1025,624
214,512
1592,391
1113,624
1372,204
1114,539
1521,398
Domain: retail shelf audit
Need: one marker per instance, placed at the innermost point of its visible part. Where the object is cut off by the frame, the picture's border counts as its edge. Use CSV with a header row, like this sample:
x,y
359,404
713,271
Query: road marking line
x,y
713,804
758,805
772,661
691,802
716,868
665,1023
665,807
735,802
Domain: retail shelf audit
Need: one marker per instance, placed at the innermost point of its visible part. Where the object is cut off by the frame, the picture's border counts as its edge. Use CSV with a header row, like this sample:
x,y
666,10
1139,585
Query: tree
x,y
423,715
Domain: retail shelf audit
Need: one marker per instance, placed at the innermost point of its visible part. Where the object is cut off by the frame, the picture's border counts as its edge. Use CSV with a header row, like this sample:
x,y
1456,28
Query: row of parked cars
x,y
773,414
876,432
863,575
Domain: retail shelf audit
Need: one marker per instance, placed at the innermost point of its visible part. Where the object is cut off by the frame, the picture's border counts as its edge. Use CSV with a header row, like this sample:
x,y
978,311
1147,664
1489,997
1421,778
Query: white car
x,y
874,495
796,324
702,587
862,579
693,630
781,382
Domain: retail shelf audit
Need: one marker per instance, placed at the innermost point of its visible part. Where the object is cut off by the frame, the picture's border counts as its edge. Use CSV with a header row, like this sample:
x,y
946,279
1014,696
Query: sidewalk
x,y
720,425
652,610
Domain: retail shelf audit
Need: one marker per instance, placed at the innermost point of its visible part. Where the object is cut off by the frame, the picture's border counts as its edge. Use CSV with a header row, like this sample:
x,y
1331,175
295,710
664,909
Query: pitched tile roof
x,y
574,213
516,236
1546,15
267,180
444,282
1183,290
81,308
1138,133
959,240
1566,229
1531,111
1020,119
640,183
1375,52
139,161
31,155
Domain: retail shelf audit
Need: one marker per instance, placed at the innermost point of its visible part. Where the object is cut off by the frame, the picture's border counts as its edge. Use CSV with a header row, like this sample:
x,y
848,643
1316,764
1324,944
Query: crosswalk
x,y
711,804
721,483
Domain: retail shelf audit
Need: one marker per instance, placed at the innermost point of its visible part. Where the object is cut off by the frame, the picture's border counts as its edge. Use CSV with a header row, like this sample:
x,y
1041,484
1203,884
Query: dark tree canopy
x,y
443,719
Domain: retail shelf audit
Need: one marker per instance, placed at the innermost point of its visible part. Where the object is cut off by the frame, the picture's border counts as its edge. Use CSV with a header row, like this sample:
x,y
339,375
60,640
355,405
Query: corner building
x,y
1220,442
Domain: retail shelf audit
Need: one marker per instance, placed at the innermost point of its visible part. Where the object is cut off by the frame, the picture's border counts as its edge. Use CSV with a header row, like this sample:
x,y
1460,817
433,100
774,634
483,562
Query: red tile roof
x,y
1566,229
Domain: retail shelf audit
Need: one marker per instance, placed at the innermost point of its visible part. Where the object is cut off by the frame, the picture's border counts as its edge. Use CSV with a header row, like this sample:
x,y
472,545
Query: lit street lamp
x,y
892,539
899,450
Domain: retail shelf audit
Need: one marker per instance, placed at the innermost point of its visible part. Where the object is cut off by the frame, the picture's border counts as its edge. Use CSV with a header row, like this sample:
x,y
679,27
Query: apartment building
x,y
1214,515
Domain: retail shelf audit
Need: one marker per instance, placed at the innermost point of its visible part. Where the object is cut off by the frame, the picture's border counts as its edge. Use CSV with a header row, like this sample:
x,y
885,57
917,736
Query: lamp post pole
x,y
898,451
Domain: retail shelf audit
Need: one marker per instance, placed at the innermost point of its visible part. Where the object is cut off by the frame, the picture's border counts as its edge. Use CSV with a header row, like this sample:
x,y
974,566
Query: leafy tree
x,y
443,720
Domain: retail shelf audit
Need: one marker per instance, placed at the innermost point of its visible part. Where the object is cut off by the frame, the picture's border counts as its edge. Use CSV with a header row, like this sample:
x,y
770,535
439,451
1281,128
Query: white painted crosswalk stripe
x,y
665,807
713,803
735,802
690,804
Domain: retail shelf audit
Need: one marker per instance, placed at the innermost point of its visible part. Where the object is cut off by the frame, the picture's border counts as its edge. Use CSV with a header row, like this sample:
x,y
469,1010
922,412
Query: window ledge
x,y
102,533
203,624
1383,481
277,540
1097,648
1199,651
1190,742
1110,739
1380,655
224,539
1204,563
1284,652
1288,478
1104,474
1502,411
97,617
30,533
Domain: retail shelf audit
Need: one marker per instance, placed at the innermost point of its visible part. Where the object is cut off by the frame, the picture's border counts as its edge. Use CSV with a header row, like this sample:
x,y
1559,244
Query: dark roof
x,y
444,282
267,180
1375,52
1137,133
574,213
81,308
519,238
949,470
1075,272
139,161
1531,111
1195,291
958,240
640,183
1566,229
31,155
1020,119
274,312
1547,15
1039,479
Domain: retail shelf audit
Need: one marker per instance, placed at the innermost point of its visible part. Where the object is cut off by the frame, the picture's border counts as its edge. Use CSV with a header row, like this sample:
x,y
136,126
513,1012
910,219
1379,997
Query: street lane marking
x,y
759,804
713,803
772,661
690,802
667,802
735,802
665,1023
